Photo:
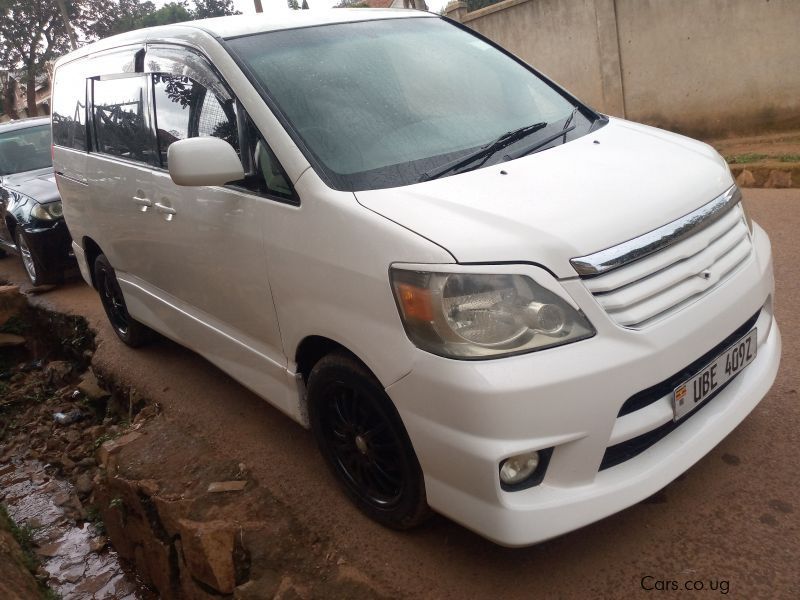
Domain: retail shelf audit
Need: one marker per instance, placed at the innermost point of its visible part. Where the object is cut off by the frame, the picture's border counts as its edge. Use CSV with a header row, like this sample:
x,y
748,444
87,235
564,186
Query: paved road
x,y
733,520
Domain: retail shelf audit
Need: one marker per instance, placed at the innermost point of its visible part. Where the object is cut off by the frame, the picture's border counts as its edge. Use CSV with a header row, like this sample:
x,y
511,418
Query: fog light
x,y
517,469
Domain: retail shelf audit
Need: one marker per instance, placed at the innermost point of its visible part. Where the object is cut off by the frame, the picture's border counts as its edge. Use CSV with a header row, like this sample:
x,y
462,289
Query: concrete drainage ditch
x,y
122,504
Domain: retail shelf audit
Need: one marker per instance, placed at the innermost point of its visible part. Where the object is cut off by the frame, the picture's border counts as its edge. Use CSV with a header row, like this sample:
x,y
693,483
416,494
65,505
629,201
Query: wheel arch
x,y
11,225
312,348
91,250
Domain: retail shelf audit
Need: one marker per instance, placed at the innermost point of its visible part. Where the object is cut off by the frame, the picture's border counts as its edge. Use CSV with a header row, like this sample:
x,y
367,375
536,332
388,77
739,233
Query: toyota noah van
x,y
482,296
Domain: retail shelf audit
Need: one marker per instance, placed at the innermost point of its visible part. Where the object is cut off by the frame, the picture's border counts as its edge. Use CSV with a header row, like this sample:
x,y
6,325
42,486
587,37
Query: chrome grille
x,y
637,288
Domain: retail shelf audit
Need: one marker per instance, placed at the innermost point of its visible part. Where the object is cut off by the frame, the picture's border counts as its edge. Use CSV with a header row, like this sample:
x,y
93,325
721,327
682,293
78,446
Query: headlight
x,y
55,209
475,315
47,212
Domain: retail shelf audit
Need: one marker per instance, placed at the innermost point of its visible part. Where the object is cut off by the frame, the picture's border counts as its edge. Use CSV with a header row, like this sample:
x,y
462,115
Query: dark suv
x,y
31,221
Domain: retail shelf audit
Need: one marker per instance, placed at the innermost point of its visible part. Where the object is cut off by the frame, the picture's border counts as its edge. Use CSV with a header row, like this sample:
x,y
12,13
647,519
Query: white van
x,y
481,295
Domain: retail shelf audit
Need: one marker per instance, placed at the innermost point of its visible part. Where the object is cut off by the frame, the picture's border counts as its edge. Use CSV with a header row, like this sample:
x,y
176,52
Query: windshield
x,y
25,150
380,103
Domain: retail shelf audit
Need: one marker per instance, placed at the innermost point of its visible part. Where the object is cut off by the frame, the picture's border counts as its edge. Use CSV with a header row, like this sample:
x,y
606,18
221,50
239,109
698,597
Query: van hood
x,y
589,194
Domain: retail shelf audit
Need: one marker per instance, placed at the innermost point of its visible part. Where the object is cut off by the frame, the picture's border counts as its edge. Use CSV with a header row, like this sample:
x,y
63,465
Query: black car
x,y
32,223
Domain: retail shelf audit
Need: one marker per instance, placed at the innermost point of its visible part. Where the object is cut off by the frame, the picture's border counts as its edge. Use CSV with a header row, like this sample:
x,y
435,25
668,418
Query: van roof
x,y
237,25
240,25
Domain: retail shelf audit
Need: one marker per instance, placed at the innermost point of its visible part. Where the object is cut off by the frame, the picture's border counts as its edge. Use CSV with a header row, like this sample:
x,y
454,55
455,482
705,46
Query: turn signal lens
x,y
517,469
415,302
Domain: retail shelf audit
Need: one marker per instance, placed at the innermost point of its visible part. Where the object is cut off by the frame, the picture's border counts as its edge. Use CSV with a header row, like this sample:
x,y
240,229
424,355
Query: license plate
x,y
692,392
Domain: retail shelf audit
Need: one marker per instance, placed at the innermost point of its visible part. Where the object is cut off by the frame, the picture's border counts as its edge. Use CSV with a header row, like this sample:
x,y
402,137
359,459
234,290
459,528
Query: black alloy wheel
x,y
130,331
364,442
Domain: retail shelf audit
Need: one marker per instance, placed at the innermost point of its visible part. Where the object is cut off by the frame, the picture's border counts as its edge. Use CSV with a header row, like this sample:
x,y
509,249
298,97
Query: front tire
x,y
128,329
365,443
34,269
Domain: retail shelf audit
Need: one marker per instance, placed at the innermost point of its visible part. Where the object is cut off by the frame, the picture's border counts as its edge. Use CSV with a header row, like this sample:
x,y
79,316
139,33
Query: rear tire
x,y
365,443
128,329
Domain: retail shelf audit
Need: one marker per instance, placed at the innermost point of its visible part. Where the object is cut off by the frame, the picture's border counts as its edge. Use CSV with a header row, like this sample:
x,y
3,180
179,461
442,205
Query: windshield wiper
x,y
485,151
542,143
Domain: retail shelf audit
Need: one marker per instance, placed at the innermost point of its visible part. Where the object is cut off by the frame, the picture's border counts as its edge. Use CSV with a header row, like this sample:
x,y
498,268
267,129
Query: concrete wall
x,y
704,67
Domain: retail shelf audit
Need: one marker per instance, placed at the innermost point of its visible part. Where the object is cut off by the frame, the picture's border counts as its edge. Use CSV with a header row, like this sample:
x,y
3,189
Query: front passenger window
x,y
186,109
266,174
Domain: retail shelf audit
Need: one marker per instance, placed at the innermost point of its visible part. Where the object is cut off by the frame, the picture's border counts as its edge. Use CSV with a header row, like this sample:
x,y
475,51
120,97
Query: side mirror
x,y
203,161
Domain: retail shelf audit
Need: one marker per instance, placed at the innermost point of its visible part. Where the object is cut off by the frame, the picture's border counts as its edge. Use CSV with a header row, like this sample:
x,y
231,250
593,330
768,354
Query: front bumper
x,y
51,245
465,417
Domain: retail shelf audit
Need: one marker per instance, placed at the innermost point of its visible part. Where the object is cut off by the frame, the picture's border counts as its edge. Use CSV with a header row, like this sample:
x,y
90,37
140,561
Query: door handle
x,y
165,210
143,203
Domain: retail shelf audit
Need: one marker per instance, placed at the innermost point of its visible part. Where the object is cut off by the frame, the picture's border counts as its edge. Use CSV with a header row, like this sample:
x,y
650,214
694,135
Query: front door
x,y
210,240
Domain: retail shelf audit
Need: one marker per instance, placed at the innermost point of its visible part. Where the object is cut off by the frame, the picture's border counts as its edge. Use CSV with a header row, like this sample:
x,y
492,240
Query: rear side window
x,y
69,107
185,109
119,113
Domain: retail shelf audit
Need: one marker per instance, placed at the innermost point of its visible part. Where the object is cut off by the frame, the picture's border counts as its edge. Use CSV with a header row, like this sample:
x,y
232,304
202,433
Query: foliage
x,y
478,4
352,4
293,4
126,15
15,325
752,157
32,33
24,537
213,8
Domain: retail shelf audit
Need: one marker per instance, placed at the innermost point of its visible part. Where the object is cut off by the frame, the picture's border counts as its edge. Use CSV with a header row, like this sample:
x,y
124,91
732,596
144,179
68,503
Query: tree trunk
x,y
30,93
9,97
62,8
258,6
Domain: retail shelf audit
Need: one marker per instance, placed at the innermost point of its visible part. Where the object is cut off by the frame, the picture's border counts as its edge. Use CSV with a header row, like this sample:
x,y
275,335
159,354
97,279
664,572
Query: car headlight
x,y
476,315
47,212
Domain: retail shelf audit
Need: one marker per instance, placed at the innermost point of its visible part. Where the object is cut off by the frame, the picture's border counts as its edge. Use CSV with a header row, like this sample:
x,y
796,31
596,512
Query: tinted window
x,y
120,118
25,150
185,109
379,103
69,107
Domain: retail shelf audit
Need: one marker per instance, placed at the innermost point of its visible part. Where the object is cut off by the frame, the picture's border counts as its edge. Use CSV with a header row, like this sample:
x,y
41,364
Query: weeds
x,y
95,518
753,157
15,325
24,536
743,159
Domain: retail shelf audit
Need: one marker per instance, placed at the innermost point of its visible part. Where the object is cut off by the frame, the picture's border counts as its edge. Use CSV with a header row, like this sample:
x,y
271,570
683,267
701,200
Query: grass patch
x,y
753,157
24,536
744,159
15,325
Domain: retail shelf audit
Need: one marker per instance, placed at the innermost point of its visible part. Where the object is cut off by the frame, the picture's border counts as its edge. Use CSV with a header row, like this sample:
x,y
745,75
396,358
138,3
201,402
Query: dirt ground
x,y
785,145
731,523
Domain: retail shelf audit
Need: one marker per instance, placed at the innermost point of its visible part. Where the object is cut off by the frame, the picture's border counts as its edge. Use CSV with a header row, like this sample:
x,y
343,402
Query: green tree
x,y
293,4
32,32
213,8
478,4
